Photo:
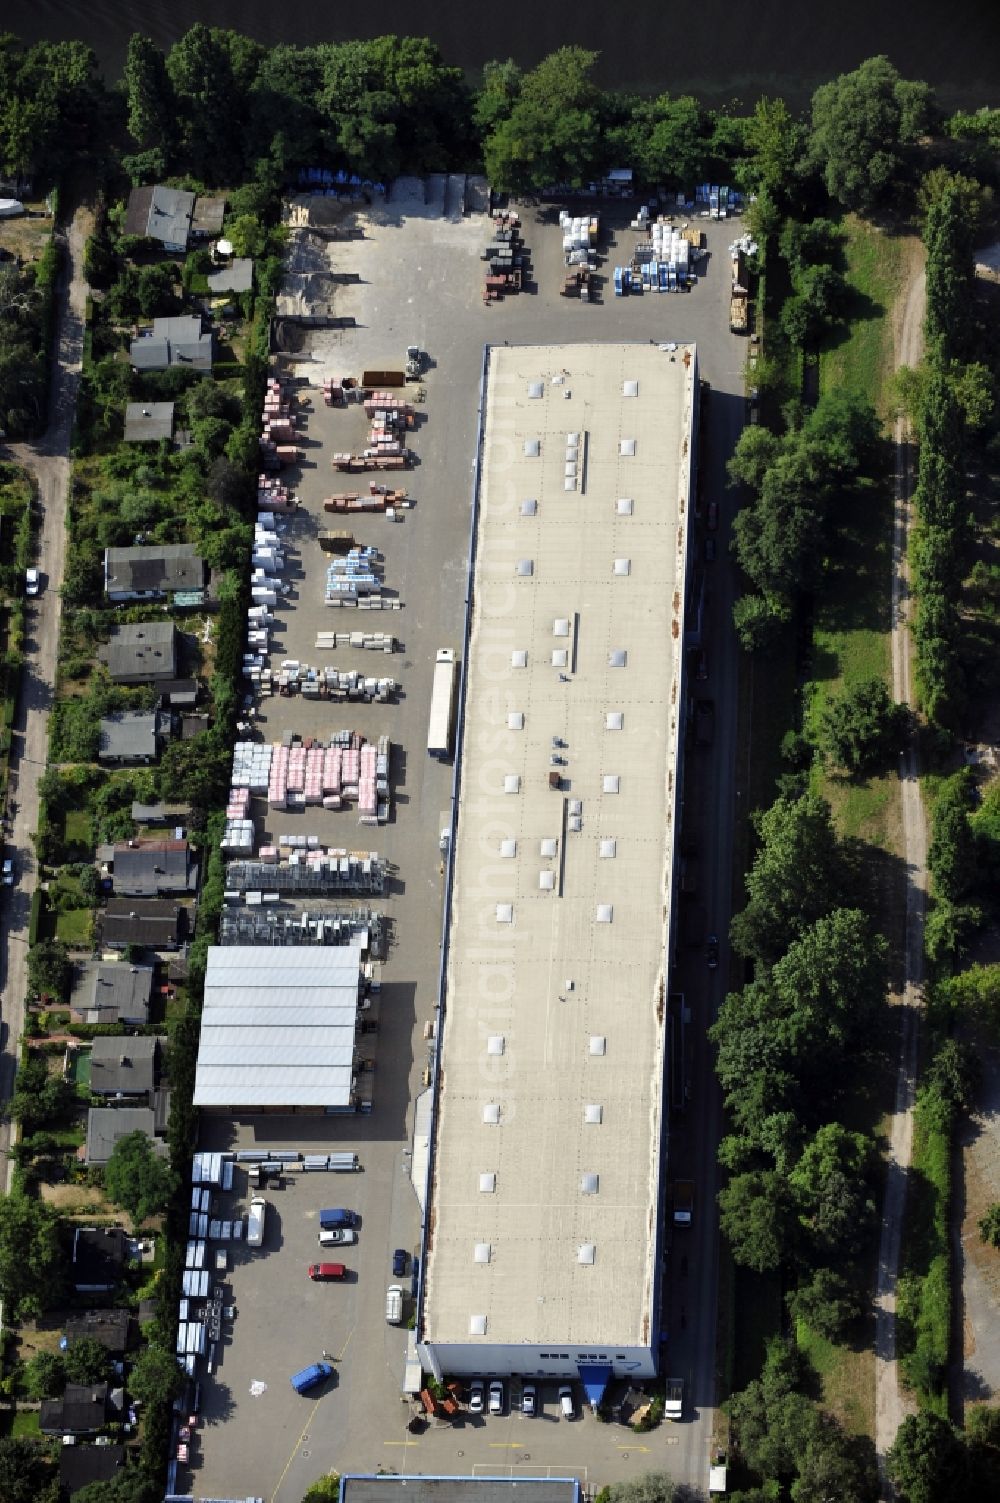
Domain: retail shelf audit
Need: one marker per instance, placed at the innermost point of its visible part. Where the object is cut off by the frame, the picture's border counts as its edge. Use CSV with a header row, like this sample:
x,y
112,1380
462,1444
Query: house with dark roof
x,y
143,652
107,1124
153,923
152,572
83,1410
133,738
99,1257
122,1066
178,340
79,1466
112,993
208,215
162,214
154,868
109,1327
160,814
148,422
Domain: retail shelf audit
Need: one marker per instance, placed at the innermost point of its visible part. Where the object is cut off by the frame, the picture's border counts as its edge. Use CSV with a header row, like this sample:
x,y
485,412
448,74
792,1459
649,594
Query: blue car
x,y
399,1262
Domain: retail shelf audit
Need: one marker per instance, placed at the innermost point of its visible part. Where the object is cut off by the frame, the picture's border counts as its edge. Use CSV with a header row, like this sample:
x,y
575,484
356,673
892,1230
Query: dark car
x,y
399,1262
710,550
713,515
712,951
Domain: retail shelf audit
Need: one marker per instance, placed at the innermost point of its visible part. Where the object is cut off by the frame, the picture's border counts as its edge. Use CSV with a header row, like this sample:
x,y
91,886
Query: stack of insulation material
x,y
357,573
578,232
332,765
314,775
333,392
277,788
296,769
273,496
350,772
367,803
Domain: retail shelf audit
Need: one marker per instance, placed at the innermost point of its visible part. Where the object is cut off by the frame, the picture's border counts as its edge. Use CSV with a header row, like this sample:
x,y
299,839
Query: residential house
x,y
148,422
79,1466
99,1257
153,923
133,738
83,1409
179,340
154,868
143,653
123,1066
162,214
152,572
112,993
166,815
109,1327
107,1124
208,216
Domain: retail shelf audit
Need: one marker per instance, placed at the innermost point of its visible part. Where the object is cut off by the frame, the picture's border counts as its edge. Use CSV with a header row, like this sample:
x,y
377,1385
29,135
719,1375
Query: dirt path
x,y
48,462
890,1403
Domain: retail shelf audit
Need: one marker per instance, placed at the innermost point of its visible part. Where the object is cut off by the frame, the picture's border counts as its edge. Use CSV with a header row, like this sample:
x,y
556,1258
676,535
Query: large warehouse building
x,y
278,1028
543,1217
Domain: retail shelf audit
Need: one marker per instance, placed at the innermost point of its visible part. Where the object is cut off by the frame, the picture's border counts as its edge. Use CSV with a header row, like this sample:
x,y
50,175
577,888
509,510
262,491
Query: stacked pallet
x,y
273,496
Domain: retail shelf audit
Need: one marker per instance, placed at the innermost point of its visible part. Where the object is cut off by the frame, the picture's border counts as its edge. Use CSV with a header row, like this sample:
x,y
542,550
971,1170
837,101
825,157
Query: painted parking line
x,y
643,1449
401,1442
505,1445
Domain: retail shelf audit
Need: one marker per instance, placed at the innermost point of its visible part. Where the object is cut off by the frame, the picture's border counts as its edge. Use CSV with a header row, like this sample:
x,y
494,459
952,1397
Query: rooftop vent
x,y
495,1043
575,806
624,507
512,783
560,657
535,389
611,782
519,658
618,657
546,881
614,720
477,1325
569,483
491,1114
623,566
627,448
482,1252
487,1184
505,913
525,567
593,1114
605,913
515,720
532,448
586,1252
529,507
572,439
598,1043
549,846
508,849
560,627
590,1184
630,388
609,850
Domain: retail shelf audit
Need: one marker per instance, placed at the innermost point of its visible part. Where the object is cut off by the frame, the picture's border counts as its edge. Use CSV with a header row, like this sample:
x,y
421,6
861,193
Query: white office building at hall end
x,y
543,1218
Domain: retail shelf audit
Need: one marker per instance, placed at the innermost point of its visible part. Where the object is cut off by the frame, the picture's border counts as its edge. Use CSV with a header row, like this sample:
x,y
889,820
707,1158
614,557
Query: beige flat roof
x,y
556,970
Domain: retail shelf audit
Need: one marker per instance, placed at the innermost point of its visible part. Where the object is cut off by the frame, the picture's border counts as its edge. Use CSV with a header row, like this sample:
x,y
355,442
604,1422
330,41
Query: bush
x,y
864,728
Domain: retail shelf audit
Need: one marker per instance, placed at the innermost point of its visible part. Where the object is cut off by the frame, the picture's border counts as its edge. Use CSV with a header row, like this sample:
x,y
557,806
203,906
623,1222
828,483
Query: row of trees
x,y
780,538
801,1191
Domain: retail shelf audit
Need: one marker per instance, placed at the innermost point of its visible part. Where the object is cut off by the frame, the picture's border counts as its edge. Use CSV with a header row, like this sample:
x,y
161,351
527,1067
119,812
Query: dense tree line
x,y
801,1191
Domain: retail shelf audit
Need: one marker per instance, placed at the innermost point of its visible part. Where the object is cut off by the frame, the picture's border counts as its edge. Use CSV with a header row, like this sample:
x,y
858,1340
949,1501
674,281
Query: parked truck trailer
x,y
439,730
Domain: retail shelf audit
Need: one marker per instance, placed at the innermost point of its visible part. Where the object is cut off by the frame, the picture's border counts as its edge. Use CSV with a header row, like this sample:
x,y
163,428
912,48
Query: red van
x,y
327,1271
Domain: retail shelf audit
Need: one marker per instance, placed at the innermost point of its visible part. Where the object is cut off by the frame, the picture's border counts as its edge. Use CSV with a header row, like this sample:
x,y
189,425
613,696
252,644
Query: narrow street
x,y
49,464
890,1404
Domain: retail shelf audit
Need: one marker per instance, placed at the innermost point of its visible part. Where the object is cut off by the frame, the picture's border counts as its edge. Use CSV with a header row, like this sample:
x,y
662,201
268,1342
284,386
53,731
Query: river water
x,y
721,50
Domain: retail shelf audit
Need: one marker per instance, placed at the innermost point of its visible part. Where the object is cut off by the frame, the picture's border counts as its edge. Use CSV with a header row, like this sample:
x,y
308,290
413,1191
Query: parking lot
x,y
420,282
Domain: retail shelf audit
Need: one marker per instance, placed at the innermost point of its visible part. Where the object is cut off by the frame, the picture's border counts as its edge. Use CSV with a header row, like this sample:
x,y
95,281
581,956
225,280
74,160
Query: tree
x,y
649,1487
989,1225
196,770
952,853
49,968
756,450
774,142
832,1186
130,1485
552,131
86,1360
45,1375
31,1257
864,727
860,123
827,1303
40,1098
927,1460
798,875
148,94
136,1178
26,1473
325,1489
156,1377
757,1216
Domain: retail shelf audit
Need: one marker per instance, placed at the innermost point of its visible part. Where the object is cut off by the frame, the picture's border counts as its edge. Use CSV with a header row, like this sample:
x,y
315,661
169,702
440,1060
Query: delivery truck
x,y
255,1221
394,1304
442,704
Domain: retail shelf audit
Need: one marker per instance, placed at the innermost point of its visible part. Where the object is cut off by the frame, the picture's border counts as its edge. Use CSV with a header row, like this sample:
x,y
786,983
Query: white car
x,y
476,1391
566,1403
496,1398
341,1237
529,1400
31,581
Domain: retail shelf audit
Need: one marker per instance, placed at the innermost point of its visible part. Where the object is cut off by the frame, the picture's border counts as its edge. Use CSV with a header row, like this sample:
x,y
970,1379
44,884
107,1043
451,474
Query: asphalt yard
x,y
408,273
